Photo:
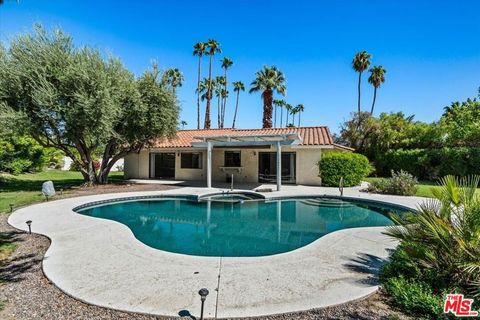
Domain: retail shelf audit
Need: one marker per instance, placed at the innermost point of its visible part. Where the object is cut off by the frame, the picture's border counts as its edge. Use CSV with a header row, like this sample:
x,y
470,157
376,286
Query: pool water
x,y
239,229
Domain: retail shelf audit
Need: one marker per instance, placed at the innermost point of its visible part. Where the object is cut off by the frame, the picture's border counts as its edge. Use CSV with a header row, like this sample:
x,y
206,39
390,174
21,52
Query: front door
x,y
162,165
267,167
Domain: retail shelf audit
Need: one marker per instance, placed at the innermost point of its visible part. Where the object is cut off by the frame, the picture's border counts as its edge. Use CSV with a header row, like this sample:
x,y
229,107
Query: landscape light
x,y
203,295
29,224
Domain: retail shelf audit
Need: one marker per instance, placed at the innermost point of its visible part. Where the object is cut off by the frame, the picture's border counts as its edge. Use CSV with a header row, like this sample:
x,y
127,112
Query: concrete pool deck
x,y
100,262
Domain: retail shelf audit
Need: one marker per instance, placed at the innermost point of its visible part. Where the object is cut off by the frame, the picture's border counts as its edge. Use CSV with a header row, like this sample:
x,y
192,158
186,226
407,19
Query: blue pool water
x,y
238,229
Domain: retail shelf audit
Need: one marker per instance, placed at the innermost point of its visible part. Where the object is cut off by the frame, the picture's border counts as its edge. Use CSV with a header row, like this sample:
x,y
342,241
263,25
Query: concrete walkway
x,y
100,262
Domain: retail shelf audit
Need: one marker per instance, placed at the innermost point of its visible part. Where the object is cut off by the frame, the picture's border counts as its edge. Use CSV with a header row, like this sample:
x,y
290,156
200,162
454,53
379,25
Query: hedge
x,y
431,164
353,167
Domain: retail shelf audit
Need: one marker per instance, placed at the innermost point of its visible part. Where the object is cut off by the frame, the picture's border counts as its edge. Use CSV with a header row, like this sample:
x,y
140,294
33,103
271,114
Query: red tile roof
x,y
310,136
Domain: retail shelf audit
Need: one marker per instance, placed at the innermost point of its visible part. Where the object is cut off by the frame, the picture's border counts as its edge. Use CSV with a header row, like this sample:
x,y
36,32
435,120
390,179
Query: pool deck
x,y
100,262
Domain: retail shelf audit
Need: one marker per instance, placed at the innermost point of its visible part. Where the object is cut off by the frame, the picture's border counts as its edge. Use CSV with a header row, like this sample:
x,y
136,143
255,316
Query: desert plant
x,y
352,167
444,235
401,183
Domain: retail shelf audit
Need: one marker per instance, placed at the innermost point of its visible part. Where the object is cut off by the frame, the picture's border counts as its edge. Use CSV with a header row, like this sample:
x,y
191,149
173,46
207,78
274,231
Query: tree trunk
x,y
374,98
286,119
209,96
275,116
281,116
219,113
198,90
359,94
236,109
224,106
299,114
267,108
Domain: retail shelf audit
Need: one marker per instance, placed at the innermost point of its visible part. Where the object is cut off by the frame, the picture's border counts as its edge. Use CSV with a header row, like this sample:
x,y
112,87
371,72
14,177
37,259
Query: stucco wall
x,y
137,165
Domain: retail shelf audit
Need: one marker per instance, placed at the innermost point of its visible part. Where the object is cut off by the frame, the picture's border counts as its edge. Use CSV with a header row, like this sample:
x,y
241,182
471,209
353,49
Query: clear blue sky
x,y
431,49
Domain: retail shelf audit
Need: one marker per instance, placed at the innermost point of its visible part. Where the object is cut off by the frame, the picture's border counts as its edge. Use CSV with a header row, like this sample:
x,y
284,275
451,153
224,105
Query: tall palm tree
x,y
268,80
183,124
288,109
377,77
203,89
294,111
219,85
199,49
278,103
237,87
360,63
174,78
226,63
300,108
212,46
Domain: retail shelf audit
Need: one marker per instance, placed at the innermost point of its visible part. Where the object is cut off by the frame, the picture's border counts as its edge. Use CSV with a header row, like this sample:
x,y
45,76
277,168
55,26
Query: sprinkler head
x,y
203,293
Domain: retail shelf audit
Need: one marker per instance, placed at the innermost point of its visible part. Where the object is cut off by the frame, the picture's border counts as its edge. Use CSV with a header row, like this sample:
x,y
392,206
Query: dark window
x,y
233,159
191,160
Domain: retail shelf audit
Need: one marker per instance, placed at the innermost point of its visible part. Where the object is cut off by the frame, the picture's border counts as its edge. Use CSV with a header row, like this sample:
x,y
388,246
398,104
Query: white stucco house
x,y
250,155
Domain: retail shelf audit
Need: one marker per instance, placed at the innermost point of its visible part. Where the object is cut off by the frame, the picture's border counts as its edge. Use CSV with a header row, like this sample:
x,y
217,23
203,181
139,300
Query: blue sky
x,y
431,49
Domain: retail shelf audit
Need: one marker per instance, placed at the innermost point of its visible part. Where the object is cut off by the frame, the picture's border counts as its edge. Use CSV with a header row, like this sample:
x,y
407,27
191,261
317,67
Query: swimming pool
x,y
239,229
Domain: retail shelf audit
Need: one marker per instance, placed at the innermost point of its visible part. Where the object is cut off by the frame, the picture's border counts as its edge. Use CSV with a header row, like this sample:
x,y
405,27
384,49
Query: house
x,y
246,155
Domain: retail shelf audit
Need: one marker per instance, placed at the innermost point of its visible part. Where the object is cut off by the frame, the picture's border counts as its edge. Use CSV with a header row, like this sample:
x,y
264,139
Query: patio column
x,y
279,166
209,164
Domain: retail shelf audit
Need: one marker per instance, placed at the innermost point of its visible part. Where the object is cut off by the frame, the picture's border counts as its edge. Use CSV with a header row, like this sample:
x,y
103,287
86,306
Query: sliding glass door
x,y
267,167
162,165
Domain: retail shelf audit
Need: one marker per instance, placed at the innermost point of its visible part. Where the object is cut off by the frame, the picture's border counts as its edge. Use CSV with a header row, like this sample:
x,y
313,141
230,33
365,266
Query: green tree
x,y
461,123
237,87
300,108
376,78
213,47
226,63
77,101
360,63
268,80
174,78
199,49
293,112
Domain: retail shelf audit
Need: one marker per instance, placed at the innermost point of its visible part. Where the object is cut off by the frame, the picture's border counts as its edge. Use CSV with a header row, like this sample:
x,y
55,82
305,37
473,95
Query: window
x,y
233,159
191,160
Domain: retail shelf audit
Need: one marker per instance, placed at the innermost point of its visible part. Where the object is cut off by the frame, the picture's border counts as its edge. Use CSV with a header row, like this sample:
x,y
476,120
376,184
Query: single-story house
x,y
246,155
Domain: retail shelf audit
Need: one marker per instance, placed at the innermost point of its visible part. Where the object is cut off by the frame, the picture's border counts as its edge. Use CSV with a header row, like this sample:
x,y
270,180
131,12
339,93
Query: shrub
x,y
440,248
431,163
352,167
401,183
414,297
21,154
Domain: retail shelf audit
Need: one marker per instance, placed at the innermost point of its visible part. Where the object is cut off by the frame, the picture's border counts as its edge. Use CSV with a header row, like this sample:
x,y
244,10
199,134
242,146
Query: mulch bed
x,y
28,294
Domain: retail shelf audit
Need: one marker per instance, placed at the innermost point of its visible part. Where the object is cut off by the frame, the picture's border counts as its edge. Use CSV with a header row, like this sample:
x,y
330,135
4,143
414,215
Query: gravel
x,y
27,294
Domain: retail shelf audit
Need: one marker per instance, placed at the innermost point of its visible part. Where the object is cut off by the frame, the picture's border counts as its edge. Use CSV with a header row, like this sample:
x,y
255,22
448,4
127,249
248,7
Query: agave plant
x,y
445,233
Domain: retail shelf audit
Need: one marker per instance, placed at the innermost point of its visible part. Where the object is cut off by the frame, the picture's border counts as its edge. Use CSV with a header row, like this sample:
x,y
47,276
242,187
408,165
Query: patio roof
x,y
247,140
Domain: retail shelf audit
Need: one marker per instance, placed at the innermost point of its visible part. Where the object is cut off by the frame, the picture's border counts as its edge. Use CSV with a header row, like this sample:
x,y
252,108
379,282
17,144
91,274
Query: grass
x,y
26,188
424,188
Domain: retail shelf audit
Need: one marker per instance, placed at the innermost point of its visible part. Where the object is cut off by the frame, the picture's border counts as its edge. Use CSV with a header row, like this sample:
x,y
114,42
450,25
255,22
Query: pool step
x,y
330,203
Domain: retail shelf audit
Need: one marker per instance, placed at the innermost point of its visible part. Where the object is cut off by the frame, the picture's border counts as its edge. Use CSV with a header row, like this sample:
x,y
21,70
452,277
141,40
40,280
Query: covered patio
x,y
253,141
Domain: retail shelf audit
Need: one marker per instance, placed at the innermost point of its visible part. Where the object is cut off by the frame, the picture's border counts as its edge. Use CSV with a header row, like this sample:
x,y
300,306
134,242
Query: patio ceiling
x,y
247,140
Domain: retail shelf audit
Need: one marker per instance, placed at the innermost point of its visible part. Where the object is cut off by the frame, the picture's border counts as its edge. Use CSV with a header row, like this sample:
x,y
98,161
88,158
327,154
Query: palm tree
x,y
203,89
183,123
268,80
294,111
199,49
377,77
300,108
212,47
288,108
360,63
174,78
237,87
226,63
219,84
278,103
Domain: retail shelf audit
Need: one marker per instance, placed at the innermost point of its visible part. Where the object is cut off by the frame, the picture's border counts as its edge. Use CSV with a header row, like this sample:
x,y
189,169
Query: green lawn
x,y
424,188
26,188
